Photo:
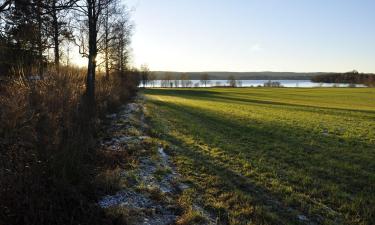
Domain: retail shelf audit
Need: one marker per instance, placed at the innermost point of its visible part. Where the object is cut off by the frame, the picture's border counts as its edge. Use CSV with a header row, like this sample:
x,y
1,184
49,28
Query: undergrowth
x,y
47,146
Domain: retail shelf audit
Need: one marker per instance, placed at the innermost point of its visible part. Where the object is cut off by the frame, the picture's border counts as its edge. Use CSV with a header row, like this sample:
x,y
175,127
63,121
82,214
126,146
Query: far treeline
x,y
352,77
267,75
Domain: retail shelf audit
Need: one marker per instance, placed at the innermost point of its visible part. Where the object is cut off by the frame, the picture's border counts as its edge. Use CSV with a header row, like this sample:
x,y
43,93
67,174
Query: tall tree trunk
x,y
122,53
55,24
106,62
91,68
106,43
39,39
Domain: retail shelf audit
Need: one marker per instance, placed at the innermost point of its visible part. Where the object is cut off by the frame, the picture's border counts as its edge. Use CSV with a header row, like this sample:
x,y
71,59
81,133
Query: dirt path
x,y
153,186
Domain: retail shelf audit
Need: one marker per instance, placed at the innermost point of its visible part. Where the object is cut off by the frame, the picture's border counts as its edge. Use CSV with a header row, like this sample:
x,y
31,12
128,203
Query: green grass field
x,y
273,156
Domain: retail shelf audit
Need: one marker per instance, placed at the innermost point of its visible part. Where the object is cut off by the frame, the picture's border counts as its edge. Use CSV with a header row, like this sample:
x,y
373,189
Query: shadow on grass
x,y
284,150
232,181
264,133
223,97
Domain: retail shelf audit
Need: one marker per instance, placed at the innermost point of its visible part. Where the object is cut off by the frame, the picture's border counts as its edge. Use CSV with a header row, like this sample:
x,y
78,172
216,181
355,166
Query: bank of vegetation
x,y
50,109
352,77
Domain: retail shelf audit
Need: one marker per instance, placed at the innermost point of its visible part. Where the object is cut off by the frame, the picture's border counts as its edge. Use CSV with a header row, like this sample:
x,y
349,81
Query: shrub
x,y
272,84
46,143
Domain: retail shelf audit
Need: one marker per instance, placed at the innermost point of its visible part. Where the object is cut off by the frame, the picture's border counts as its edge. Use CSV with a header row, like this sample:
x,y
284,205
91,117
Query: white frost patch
x,y
132,107
125,198
183,186
163,155
302,218
119,137
123,139
212,219
143,137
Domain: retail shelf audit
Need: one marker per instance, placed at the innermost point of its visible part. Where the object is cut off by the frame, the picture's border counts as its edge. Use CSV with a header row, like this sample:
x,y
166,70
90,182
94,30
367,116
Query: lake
x,y
246,83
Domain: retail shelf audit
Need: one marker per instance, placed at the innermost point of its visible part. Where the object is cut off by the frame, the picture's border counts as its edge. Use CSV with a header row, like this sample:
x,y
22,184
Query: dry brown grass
x,y
46,147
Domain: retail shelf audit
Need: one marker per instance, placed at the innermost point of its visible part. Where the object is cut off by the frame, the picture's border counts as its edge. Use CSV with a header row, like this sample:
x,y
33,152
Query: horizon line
x,y
173,71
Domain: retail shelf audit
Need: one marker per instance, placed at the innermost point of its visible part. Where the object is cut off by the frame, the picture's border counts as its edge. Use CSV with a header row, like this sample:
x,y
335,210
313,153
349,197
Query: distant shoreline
x,y
240,75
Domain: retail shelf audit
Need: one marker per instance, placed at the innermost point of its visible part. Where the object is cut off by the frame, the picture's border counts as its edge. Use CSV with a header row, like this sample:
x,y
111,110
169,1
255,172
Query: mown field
x,y
272,156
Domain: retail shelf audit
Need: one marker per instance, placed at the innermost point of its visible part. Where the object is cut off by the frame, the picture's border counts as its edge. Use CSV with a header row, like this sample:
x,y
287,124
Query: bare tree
x,y
145,72
122,32
205,79
176,81
58,10
232,81
185,80
272,84
167,80
92,11
152,78
39,18
113,15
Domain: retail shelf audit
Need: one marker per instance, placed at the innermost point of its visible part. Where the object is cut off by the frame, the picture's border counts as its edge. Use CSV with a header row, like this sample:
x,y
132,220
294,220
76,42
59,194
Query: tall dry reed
x,y
46,146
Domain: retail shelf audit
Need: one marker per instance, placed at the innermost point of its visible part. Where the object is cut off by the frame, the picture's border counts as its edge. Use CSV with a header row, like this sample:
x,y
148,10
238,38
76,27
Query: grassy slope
x,y
271,155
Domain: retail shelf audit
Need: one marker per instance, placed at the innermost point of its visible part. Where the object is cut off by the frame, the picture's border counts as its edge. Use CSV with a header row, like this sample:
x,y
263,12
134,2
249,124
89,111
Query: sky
x,y
254,35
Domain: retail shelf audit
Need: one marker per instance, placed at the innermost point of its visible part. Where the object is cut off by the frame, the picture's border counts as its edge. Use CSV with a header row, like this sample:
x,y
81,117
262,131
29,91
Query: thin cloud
x,y
256,48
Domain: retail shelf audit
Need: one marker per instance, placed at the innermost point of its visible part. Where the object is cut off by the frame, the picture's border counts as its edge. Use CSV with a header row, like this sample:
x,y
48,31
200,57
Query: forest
x,y
352,77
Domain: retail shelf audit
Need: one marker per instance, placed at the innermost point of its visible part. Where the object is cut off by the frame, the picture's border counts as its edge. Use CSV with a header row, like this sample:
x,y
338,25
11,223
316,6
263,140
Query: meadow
x,y
272,155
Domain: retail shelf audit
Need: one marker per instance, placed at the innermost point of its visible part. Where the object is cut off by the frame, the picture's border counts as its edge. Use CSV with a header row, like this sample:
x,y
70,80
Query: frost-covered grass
x,y
273,156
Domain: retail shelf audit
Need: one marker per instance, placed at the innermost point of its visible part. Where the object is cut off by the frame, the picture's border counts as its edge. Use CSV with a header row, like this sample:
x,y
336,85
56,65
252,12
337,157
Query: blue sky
x,y
254,35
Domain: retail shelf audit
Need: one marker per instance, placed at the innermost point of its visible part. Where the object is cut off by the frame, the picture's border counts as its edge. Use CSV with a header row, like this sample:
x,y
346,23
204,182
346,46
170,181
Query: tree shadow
x,y
252,136
283,150
236,182
217,96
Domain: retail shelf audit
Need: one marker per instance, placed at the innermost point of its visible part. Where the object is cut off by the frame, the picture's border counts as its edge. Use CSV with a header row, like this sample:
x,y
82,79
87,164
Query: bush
x,y
272,84
46,146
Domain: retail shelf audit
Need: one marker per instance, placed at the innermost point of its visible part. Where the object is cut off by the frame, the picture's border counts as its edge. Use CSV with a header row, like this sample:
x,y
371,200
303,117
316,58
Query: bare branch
x,y
5,5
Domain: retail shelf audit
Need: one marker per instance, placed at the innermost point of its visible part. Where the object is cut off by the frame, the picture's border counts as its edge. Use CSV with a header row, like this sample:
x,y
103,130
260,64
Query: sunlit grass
x,y
274,155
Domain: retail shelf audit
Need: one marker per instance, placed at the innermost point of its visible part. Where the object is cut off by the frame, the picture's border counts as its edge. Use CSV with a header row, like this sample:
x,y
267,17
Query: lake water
x,y
246,83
